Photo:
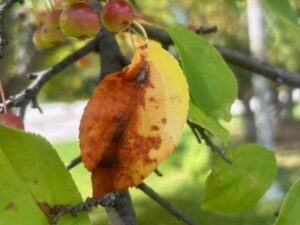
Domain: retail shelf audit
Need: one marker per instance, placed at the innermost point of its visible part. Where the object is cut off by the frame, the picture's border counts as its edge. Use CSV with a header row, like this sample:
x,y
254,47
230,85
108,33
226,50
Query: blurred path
x,y
60,121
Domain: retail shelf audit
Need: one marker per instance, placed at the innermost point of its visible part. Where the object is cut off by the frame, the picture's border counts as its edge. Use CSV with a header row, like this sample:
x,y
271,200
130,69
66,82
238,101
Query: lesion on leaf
x,y
126,129
46,209
11,206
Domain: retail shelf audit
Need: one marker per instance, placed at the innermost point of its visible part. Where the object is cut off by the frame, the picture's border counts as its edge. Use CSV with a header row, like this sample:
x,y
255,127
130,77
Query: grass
x,y
296,111
182,184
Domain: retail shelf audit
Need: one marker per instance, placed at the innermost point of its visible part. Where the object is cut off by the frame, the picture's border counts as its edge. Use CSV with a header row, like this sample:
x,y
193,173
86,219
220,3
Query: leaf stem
x,y
132,40
142,31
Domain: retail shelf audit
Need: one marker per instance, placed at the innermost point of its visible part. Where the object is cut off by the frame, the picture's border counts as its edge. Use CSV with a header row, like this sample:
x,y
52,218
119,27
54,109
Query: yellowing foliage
x,y
133,120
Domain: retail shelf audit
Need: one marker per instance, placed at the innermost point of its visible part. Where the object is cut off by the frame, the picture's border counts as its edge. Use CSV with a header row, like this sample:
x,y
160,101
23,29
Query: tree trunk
x,y
287,111
261,85
245,95
249,123
262,88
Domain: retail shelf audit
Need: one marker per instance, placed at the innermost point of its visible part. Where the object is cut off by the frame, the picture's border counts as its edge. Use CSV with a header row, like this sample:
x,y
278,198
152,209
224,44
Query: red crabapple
x,y
52,19
117,15
11,120
80,20
8,119
46,37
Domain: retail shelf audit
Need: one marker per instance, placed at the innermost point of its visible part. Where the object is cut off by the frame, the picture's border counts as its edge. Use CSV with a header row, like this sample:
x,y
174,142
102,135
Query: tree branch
x,y
167,205
122,211
239,59
112,59
60,210
23,98
4,7
252,64
74,162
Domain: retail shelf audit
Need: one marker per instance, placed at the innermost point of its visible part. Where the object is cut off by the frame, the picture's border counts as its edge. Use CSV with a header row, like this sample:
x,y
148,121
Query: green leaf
x,y
234,6
213,86
284,12
208,122
283,9
237,187
290,210
33,178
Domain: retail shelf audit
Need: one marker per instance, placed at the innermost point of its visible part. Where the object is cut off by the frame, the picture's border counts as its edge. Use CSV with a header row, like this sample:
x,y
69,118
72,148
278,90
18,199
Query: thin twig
x,y
200,132
239,59
74,162
158,173
36,105
194,130
166,204
214,147
86,206
206,30
23,98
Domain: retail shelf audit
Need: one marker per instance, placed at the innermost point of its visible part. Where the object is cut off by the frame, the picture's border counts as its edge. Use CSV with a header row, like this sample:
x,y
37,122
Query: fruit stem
x,y
51,5
143,32
132,40
3,98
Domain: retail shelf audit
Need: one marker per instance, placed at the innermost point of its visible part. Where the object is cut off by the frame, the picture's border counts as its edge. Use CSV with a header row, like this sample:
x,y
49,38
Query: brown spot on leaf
x,y
152,99
46,209
155,142
164,120
134,147
155,128
11,207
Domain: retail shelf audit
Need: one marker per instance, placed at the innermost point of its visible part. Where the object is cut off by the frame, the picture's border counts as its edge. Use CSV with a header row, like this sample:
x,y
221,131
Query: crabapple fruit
x,y
80,20
11,120
117,15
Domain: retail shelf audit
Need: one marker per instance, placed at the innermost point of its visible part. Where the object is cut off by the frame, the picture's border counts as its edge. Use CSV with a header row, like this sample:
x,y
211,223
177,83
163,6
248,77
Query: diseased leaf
x,y
233,188
208,122
33,180
290,210
133,120
213,86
